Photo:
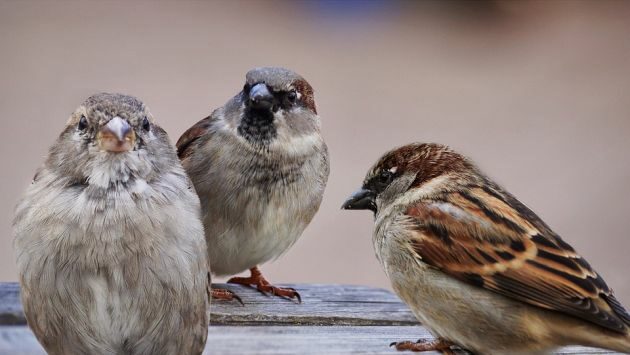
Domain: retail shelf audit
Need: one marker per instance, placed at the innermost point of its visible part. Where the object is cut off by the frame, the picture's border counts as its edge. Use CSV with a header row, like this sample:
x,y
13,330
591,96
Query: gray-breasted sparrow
x,y
260,166
476,266
109,243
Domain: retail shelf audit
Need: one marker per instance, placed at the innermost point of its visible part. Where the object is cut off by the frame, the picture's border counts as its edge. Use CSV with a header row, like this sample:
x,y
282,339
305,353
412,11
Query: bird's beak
x,y
362,199
260,97
117,136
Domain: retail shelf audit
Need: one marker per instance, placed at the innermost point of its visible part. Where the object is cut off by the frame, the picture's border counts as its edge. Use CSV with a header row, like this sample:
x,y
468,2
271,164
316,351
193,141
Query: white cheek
x,y
279,116
409,197
150,136
298,145
223,124
78,137
427,189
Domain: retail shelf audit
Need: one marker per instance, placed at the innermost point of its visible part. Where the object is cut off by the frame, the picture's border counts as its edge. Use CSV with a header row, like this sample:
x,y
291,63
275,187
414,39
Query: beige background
x,y
537,93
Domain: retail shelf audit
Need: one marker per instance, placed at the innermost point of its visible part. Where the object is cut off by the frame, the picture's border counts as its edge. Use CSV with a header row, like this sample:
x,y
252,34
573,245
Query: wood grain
x,y
332,319
321,305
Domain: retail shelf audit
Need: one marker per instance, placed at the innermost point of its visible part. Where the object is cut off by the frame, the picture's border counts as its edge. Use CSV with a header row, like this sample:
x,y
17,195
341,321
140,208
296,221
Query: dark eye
x,y
246,88
146,125
83,123
292,96
385,177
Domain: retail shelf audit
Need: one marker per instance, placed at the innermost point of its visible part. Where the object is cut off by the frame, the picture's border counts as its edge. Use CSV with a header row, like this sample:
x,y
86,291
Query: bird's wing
x,y
487,238
186,142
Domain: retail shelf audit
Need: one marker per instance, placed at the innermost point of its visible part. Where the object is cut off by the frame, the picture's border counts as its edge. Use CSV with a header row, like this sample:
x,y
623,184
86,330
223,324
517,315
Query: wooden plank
x,y
11,312
246,340
309,339
332,319
326,340
18,340
321,305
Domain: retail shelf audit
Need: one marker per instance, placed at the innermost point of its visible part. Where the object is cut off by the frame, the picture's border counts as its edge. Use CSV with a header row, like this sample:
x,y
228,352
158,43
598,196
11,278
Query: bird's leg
x,y
262,285
221,293
440,345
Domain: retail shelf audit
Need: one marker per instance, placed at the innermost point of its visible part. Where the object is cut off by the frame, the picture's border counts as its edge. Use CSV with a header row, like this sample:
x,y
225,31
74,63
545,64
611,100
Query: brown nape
x,y
429,160
190,136
308,96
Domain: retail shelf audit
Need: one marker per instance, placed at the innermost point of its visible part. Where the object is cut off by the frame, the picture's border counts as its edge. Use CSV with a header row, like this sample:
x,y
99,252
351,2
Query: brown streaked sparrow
x,y
109,243
260,166
477,267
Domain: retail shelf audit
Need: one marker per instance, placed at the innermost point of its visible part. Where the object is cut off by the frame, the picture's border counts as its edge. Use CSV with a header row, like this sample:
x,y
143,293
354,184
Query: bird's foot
x,y
258,280
440,345
224,294
286,292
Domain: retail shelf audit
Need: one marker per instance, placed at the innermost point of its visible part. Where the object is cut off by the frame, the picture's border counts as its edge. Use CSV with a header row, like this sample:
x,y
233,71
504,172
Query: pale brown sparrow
x,y
260,166
478,268
109,243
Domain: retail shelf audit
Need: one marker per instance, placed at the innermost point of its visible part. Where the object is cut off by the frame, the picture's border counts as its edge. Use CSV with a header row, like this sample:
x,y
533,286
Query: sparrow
x,y
477,267
260,166
109,242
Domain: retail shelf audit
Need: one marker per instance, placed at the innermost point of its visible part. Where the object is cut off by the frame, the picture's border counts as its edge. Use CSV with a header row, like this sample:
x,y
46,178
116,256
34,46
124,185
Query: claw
x,y
236,297
299,298
224,294
263,286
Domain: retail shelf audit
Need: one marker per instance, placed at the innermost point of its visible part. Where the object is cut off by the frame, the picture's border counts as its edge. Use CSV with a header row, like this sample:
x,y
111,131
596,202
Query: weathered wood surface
x,y
264,340
11,312
244,340
332,319
321,305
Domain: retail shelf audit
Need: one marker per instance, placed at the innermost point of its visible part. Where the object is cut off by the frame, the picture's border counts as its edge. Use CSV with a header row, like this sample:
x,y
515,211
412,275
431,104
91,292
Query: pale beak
x,y
117,136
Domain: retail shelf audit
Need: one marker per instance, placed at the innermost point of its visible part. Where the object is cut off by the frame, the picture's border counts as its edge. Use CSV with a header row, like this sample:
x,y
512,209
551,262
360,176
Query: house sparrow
x,y
476,266
260,166
109,244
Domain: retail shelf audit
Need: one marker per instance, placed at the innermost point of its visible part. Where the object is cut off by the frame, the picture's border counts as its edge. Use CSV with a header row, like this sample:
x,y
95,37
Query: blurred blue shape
x,y
350,8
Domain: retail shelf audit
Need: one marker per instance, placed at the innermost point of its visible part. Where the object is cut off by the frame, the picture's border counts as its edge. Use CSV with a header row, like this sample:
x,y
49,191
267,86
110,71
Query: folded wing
x,y
487,238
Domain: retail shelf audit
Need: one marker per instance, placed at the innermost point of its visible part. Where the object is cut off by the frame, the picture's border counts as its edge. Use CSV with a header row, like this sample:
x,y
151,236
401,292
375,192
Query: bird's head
x,y
411,171
110,138
275,105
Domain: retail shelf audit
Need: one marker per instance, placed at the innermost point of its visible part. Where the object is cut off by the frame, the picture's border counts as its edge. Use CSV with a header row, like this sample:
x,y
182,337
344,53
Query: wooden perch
x,y
332,319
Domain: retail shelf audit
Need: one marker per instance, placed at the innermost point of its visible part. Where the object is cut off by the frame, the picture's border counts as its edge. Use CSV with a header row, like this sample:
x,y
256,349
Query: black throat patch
x,y
257,127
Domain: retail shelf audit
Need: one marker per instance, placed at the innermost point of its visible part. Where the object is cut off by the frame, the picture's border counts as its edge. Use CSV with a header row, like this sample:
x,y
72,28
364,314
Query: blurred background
x,y
537,93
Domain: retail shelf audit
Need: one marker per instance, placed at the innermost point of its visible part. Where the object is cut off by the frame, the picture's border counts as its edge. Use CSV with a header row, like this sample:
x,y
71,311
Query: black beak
x,y
260,97
363,199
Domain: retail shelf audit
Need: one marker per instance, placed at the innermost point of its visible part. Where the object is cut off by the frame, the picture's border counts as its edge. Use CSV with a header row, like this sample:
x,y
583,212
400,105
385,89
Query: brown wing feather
x,y
185,142
487,238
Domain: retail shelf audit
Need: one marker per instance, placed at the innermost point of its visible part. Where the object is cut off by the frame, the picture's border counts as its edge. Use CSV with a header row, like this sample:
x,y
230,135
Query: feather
x,y
484,236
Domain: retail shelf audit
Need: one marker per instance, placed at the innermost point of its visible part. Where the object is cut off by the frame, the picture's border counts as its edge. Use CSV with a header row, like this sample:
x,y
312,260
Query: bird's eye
x,y
83,123
146,125
292,96
246,88
385,177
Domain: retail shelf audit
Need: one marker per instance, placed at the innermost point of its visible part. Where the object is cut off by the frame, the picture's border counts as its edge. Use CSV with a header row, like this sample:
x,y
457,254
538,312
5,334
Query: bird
x,y
108,239
476,266
260,166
